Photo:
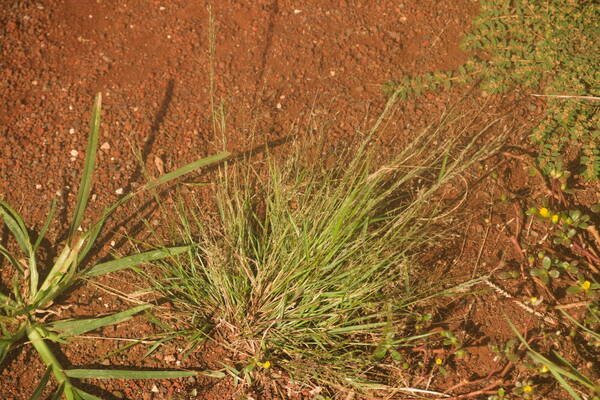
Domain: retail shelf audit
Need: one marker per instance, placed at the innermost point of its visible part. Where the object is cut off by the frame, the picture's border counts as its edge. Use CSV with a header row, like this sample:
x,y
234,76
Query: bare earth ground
x,y
278,64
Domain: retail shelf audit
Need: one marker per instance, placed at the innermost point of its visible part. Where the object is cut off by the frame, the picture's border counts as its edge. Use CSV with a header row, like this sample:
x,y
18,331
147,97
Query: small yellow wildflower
x,y
544,369
439,361
527,389
535,301
544,212
585,285
555,218
266,364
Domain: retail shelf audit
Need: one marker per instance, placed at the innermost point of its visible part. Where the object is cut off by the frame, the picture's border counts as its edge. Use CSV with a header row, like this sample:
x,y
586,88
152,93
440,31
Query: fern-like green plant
x,y
550,48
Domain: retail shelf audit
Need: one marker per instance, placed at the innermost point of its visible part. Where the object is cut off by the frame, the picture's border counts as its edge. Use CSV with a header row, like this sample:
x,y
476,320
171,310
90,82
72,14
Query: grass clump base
x,y
310,274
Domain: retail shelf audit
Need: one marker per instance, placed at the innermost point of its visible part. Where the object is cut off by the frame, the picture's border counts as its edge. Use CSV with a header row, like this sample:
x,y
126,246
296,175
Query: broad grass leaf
x,y
79,327
132,261
81,395
85,185
125,374
46,225
39,390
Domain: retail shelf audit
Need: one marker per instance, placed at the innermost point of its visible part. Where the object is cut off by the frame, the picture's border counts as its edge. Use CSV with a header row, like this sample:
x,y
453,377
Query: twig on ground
x,y
564,96
594,232
572,305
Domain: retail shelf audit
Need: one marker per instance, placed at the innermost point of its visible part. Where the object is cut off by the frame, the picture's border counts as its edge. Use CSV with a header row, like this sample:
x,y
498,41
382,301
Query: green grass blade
x,y
59,392
36,337
565,385
358,328
78,327
5,345
558,372
596,335
97,227
81,395
134,260
46,225
15,263
6,342
584,380
37,394
85,185
16,225
187,169
125,374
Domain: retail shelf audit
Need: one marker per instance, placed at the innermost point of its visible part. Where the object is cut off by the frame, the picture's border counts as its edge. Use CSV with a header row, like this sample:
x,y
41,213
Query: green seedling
x,y
422,321
584,286
24,311
508,350
499,395
546,272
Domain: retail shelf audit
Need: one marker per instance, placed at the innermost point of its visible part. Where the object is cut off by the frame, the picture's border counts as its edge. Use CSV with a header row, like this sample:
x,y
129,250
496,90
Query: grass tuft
x,y
310,272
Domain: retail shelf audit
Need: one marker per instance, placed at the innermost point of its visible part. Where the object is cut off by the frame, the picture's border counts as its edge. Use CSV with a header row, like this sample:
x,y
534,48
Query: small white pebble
x,y
106,305
94,197
169,358
73,159
161,8
34,83
90,16
70,108
112,243
154,389
297,11
74,153
38,186
332,73
72,131
79,229
278,106
105,146
119,191
168,36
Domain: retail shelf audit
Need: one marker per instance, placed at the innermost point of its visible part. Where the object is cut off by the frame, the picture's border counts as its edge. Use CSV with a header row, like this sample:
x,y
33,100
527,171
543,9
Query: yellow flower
x,y
555,218
585,285
265,365
544,212
527,389
535,301
544,369
438,361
